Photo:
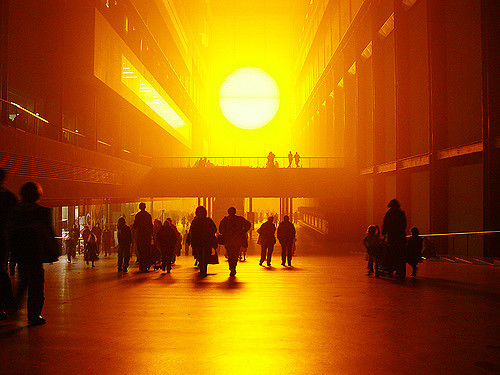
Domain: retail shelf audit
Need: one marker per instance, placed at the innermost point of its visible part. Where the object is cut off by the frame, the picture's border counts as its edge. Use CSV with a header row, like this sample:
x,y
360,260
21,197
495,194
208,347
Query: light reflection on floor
x,y
324,316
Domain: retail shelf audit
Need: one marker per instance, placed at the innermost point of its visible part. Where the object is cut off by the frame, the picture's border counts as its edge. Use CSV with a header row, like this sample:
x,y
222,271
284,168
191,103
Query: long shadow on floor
x,y
11,329
451,286
166,278
231,283
292,268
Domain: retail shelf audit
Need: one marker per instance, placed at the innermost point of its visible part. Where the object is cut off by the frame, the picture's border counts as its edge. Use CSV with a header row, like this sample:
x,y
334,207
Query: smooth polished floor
x,y
321,316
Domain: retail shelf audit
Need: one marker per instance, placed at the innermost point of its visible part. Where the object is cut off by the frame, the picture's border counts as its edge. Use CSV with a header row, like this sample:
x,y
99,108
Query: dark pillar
x,y
4,29
438,121
491,155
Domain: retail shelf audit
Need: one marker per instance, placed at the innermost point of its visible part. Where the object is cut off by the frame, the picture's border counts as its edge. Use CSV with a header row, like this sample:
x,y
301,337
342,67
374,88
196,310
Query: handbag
x,y
213,258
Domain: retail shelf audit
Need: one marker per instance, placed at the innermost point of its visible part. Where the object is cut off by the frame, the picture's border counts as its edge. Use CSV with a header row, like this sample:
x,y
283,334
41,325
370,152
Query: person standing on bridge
x,y
143,226
286,235
290,159
270,160
267,240
297,159
233,228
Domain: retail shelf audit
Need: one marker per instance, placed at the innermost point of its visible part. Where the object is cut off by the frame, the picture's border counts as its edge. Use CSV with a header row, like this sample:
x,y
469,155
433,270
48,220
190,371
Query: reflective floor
x,y
322,316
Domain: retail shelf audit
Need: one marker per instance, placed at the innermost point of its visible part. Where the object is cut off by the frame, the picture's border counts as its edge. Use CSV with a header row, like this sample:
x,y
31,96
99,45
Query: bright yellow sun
x,y
249,98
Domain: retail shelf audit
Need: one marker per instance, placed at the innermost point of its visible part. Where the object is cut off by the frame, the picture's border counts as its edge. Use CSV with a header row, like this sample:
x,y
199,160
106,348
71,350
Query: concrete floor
x,y
323,316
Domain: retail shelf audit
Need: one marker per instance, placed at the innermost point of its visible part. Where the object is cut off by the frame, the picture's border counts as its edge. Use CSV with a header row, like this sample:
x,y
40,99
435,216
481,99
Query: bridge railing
x,y
247,161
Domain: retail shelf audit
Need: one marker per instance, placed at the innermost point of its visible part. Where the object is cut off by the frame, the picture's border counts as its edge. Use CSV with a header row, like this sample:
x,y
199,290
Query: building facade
x,y
403,91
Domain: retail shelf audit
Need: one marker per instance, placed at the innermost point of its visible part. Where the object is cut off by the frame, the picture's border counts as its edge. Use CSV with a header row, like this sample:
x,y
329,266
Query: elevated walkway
x,y
246,182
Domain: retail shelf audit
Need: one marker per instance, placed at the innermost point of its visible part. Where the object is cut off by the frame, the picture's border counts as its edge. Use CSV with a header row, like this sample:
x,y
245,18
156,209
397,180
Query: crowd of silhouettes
x,y
389,250
273,163
27,239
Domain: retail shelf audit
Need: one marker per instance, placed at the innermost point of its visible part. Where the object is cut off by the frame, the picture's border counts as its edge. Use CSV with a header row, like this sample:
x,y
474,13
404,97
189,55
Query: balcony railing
x,y
247,161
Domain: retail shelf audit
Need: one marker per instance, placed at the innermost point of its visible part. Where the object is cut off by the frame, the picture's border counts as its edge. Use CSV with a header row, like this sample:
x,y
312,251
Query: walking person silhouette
x,y
233,228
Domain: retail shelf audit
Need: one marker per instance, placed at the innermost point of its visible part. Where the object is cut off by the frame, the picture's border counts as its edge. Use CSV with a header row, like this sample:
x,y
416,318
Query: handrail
x,y
458,234
25,110
247,161
466,234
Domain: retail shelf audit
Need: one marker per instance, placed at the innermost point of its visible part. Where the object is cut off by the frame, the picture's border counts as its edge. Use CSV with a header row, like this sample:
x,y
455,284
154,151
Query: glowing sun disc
x,y
249,98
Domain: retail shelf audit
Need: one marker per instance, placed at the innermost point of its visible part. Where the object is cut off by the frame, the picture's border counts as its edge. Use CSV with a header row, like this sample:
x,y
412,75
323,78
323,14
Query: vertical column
x,y
438,118
4,31
402,87
251,216
378,111
491,151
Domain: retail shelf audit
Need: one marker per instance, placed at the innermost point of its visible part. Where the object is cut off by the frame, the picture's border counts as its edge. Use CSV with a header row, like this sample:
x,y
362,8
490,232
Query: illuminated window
x,y
126,24
149,95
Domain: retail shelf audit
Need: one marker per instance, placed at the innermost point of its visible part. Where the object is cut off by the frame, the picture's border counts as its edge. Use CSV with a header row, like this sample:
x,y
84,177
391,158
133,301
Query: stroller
x,y
155,257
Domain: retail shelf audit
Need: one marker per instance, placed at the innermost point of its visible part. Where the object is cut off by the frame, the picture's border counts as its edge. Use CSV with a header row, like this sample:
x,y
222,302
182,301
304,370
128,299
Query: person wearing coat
x,y
7,204
97,231
124,242
394,228
107,240
166,239
233,229
32,242
201,237
267,240
143,226
91,250
286,235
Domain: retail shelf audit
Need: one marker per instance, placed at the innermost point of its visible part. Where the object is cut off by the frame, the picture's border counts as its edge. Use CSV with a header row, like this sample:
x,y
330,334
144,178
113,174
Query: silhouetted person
x,y
97,231
290,159
233,228
90,251
372,242
201,237
85,234
124,243
7,203
166,240
107,240
267,240
32,242
143,226
270,160
286,235
71,242
297,159
395,229
178,242
414,247
75,233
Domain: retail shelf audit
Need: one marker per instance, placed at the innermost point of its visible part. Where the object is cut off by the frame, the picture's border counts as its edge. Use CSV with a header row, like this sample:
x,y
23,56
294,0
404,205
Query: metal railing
x,y
455,243
22,118
247,161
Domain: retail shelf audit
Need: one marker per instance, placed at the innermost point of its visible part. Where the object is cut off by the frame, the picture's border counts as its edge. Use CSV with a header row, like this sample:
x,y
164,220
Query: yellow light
x,y
249,98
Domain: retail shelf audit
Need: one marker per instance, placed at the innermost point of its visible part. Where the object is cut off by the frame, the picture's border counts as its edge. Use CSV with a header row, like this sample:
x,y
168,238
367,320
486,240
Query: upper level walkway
x,y
71,174
321,316
248,161
246,177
